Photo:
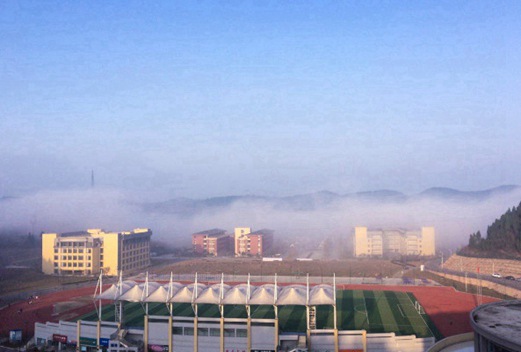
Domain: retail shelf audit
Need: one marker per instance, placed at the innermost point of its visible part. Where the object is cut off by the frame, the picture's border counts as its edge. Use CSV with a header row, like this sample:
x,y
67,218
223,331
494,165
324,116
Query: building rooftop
x,y
212,232
500,321
261,232
74,234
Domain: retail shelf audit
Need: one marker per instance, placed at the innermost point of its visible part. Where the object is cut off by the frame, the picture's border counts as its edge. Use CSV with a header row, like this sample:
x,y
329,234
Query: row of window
x,y
134,252
189,331
72,265
71,244
135,245
137,265
72,257
71,250
75,272
134,259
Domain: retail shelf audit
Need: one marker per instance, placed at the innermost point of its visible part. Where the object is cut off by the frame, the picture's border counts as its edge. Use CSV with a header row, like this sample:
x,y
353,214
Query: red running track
x,y
448,308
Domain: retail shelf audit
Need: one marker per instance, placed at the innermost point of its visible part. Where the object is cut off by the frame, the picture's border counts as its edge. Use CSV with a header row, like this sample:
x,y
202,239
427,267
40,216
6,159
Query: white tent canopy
x,y
134,294
293,295
236,295
264,295
116,290
176,292
160,295
188,293
322,295
212,294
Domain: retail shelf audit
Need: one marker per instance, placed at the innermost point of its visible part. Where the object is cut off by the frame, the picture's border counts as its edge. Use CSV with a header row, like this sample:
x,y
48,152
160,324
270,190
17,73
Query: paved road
x,y
434,265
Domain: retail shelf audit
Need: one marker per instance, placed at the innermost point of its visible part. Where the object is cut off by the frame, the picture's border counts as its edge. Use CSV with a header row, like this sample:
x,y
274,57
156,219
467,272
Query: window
x,y
202,331
229,332
177,330
242,333
189,331
215,332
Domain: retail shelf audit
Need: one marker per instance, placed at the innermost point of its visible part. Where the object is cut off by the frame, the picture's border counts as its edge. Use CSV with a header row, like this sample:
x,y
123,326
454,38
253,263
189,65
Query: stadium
x,y
243,313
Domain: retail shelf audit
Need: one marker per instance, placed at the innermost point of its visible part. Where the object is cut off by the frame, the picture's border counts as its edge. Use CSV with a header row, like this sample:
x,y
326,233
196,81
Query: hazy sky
x,y
211,98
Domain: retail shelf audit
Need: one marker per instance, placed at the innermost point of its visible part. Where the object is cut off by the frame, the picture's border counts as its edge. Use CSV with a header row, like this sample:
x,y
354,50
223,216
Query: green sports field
x,y
373,311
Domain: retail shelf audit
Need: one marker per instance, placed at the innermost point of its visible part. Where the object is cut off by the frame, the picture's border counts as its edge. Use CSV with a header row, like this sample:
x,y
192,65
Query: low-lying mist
x,y
64,211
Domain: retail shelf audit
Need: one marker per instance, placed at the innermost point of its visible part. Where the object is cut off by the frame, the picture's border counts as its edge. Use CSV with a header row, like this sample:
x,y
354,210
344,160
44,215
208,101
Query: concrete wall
x,y
509,291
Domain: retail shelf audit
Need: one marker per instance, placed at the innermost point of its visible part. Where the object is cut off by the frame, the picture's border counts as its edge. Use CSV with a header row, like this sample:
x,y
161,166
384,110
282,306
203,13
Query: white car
x,y
496,275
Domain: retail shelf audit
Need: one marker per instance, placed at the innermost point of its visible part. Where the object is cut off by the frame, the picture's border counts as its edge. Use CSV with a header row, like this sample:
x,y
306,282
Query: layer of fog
x,y
116,210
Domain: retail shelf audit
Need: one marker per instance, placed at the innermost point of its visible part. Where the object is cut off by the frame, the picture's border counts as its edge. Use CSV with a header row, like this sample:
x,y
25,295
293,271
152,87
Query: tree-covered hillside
x,y
503,236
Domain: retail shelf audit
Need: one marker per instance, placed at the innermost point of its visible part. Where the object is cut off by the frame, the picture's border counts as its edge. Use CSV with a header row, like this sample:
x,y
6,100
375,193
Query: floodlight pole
x,y
144,295
276,311
196,318
308,330
248,311
120,292
170,306
335,326
98,325
221,310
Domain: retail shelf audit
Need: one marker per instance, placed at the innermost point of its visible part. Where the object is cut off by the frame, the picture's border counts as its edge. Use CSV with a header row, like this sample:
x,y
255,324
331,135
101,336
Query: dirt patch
x,y
62,307
244,266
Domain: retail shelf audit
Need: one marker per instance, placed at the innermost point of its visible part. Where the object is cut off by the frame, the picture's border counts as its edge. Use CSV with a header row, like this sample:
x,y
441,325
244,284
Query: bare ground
x,y
243,266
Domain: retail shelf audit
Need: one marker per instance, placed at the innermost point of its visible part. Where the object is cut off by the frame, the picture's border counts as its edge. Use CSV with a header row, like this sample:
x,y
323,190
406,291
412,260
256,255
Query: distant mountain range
x,y
324,199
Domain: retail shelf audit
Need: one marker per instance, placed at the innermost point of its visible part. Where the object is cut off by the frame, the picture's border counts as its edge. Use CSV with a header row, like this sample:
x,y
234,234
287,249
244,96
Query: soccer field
x,y
373,311
382,311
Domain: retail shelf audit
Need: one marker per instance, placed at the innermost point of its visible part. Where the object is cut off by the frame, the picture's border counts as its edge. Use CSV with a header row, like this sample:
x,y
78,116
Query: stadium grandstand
x,y
170,315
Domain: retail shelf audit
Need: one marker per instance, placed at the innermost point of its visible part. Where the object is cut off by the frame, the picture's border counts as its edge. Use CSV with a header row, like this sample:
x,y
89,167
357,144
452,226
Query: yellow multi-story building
x,y
379,243
89,252
240,236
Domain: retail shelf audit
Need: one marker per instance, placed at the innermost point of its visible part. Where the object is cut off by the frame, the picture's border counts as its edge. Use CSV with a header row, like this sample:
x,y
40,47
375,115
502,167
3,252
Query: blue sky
x,y
210,98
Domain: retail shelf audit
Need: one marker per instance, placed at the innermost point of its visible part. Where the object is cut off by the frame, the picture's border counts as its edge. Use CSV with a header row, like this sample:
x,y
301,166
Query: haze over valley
x,y
454,214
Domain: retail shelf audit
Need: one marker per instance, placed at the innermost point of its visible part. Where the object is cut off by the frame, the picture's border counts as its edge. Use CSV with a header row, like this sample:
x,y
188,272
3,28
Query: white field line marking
x,y
365,308
421,316
401,311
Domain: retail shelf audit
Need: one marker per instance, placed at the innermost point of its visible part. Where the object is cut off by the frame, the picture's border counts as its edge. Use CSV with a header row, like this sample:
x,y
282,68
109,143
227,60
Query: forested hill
x,y
503,237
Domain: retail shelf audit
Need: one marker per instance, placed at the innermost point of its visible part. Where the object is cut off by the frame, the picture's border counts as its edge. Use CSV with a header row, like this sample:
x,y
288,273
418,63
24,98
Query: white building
x,y
389,242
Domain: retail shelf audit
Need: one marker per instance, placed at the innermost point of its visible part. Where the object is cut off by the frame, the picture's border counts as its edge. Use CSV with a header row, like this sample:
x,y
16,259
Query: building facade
x,y
89,252
249,243
211,242
392,242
